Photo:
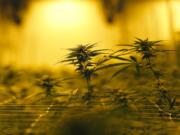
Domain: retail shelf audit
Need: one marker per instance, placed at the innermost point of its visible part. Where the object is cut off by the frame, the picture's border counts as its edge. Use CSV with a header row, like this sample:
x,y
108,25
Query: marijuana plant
x,y
83,58
166,101
147,51
48,83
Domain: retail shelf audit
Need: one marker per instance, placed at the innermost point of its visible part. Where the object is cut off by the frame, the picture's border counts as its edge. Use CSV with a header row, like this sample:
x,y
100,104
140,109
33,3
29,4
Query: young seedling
x,y
48,83
166,101
121,98
83,58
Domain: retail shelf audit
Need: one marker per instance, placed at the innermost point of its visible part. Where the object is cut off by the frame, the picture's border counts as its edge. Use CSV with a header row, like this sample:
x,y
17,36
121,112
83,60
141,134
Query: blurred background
x,y
38,32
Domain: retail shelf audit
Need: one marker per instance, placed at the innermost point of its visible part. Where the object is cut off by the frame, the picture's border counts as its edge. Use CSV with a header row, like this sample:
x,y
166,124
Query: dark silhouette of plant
x,y
147,51
121,98
10,76
165,100
123,64
48,83
83,58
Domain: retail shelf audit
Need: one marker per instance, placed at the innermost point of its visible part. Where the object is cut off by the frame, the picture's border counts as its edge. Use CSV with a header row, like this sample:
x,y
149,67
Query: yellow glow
x,y
53,26
62,13
176,14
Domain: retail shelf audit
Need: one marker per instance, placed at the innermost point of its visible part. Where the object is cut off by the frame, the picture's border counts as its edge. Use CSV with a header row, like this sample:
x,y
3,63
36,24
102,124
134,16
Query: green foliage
x,y
165,100
83,58
146,50
118,107
111,110
10,76
122,64
121,98
48,83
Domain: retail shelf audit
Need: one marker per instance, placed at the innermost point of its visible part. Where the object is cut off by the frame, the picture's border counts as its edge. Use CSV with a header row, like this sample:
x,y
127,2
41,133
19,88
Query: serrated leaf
x,y
120,58
111,65
133,58
125,45
119,71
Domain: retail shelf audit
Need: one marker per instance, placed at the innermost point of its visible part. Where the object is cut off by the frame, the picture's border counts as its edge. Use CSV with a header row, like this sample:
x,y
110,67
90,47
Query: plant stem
x,y
89,85
154,72
48,92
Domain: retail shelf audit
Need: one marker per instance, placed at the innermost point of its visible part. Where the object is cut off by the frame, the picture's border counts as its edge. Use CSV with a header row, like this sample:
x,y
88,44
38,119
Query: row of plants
x,y
91,63
142,55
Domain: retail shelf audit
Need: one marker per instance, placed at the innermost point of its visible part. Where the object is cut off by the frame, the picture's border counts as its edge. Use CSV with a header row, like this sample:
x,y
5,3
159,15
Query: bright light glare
x,y
52,26
64,13
176,15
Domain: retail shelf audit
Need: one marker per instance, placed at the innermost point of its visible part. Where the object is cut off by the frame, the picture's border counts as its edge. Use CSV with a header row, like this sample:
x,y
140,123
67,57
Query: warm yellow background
x,y
52,26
